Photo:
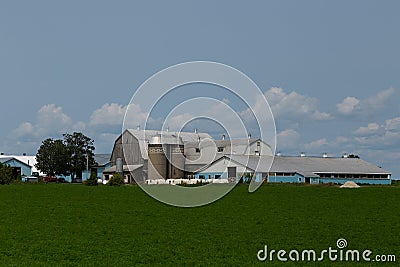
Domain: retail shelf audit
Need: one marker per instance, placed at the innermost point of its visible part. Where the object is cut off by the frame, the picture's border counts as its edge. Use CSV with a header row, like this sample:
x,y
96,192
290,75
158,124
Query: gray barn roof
x,y
239,146
325,165
126,168
145,136
102,159
307,166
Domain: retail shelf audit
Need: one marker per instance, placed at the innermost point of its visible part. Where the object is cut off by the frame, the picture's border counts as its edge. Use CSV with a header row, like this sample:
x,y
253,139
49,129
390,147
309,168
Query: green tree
x,y
53,158
116,180
80,150
92,181
6,174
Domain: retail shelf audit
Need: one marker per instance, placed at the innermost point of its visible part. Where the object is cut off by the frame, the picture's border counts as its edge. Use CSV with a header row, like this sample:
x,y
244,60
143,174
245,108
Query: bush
x,y
92,181
116,180
6,175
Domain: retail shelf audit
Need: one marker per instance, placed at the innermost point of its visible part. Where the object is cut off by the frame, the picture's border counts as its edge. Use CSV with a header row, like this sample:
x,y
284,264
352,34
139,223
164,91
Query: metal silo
x,y
166,158
177,160
157,164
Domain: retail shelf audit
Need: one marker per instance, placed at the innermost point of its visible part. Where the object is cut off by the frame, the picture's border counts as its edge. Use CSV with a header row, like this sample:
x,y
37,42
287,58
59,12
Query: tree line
x,y
67,156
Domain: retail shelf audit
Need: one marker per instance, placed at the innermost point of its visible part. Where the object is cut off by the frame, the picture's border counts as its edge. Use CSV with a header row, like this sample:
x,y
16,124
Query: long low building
x,y
286,169
153,155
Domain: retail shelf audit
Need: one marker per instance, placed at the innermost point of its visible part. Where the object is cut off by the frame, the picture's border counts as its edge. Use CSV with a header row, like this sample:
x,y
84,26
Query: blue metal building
x,y
102,162
312,170
19,168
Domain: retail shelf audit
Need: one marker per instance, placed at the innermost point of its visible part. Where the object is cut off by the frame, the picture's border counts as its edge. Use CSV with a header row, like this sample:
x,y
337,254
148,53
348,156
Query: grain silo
x,y
157,164
166,159
177,160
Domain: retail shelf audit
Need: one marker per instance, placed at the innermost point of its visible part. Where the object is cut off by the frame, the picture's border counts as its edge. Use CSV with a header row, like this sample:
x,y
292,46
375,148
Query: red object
x,y
53,179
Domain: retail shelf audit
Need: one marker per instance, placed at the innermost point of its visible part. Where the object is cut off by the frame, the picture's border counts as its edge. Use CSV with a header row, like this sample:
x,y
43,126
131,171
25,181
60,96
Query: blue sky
x,y
330,70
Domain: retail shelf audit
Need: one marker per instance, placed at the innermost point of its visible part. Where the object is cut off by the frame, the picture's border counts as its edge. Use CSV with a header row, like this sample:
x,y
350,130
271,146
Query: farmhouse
x,y
146,155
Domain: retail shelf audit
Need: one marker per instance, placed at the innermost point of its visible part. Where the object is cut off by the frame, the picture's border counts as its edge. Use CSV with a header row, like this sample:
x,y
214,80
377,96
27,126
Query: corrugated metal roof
x,y
258,163
5,159
230,147
307,166
9,158
126,168
145,136
102,159
193,167
325,165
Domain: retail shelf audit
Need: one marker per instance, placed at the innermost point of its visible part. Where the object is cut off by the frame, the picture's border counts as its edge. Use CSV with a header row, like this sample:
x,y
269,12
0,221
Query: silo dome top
x,y
156,139
166,138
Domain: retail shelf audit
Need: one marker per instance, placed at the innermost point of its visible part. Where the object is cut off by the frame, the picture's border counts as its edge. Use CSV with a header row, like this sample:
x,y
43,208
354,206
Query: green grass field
x,y
75,225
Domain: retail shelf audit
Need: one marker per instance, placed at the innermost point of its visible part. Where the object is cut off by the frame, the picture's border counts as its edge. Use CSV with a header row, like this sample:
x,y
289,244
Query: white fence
x,y
186,181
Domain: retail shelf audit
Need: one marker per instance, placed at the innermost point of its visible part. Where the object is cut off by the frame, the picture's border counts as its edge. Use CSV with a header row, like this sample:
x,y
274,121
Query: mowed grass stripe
x,y
74,225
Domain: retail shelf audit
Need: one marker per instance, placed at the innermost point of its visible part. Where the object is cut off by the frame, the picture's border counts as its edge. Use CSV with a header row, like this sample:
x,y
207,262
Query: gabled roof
x,y
325,165
234,147
5,160
102,159
126,168
145,136
255,163
306,166
29,160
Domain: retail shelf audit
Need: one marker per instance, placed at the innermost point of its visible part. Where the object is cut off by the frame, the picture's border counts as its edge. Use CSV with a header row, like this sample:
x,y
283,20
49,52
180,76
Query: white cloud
x,y
288,139
24,129
317,145
348,105
352,105
294,105
375,135
321,116
379,100
135,116
52,115
393,124
110,114
371,128
50,120
177,122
